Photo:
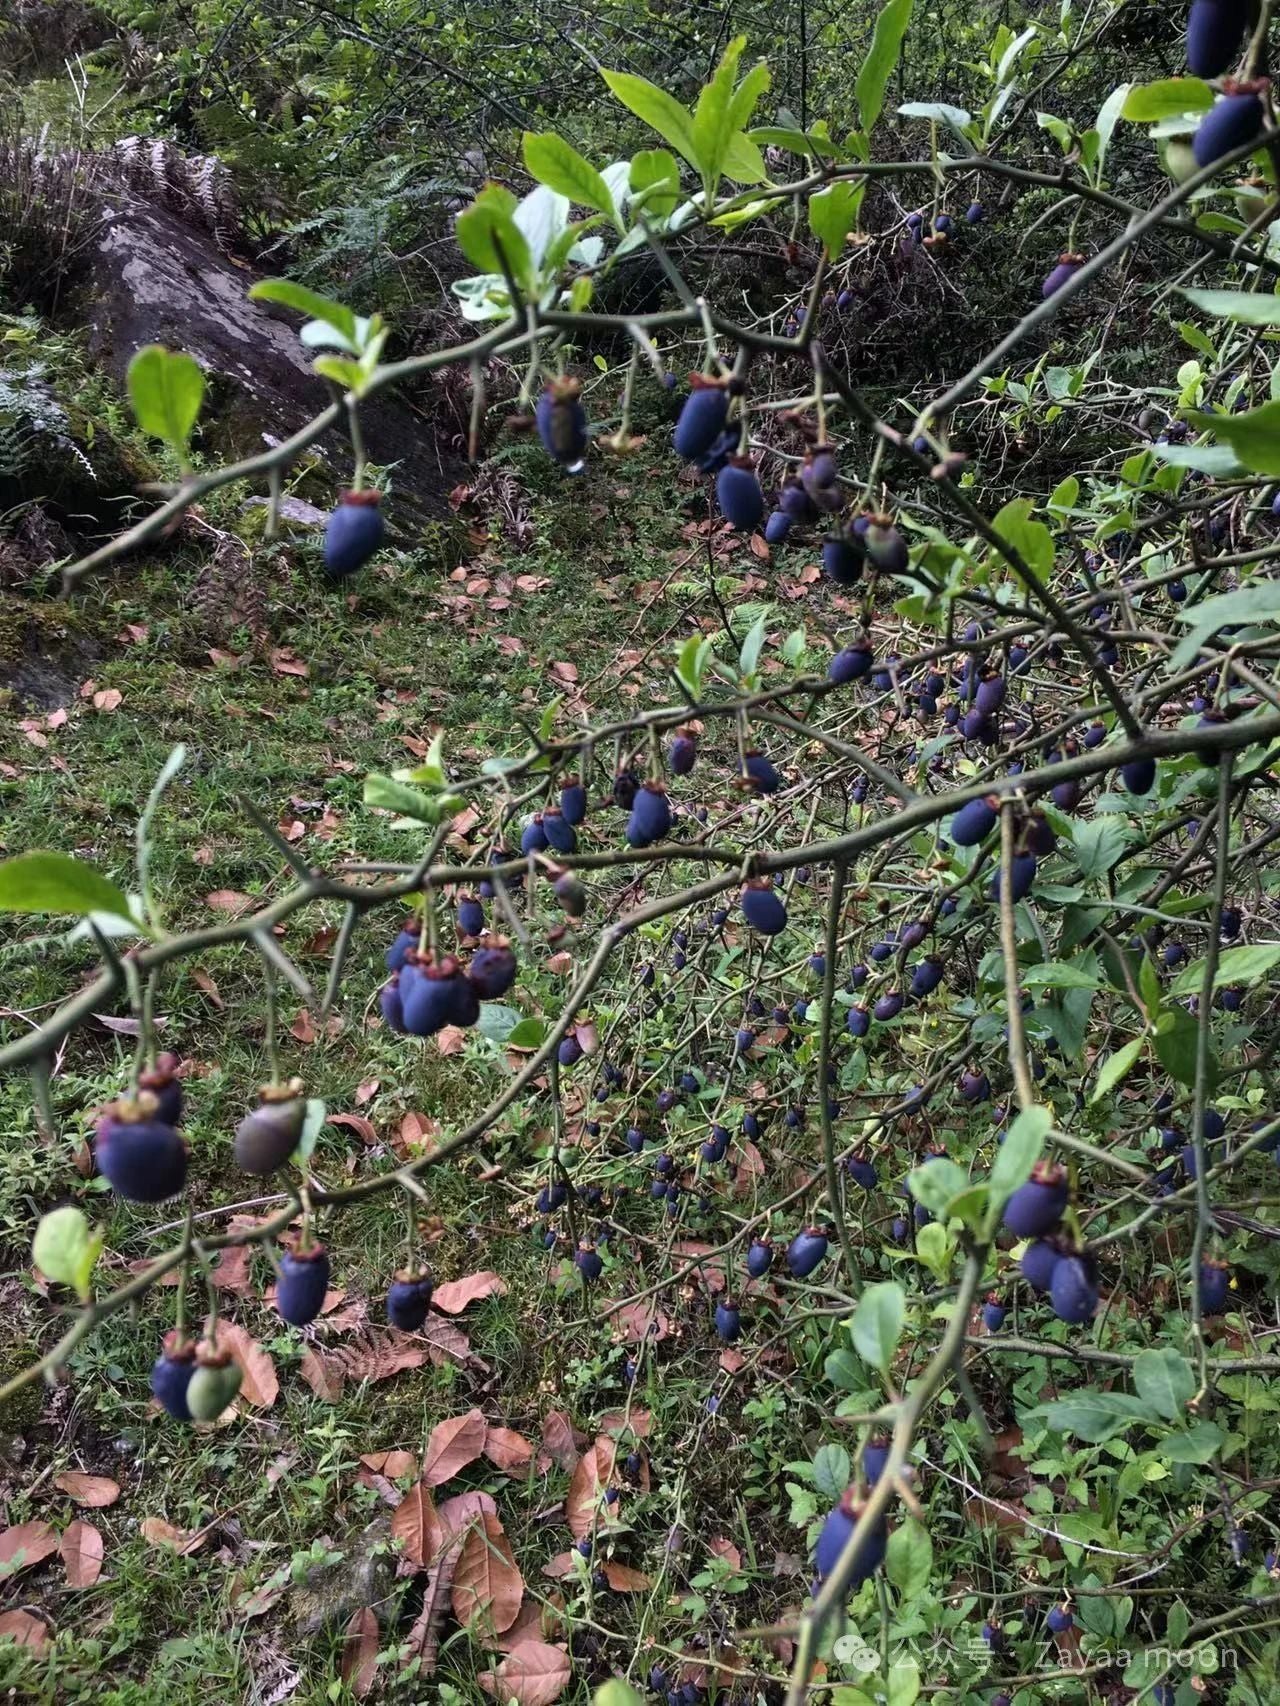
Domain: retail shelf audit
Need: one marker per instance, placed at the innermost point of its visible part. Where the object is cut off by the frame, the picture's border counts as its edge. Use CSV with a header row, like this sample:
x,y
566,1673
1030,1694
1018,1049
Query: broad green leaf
x,y
831,1471
1108,118
65,1249
166,389
833,213
1094,1416
1176,1044
937,1183
1099,843
390,795
1058,974
660,111
743,161
312,1125
1258,602
1031,539
487,233
1017,1155
1215,459
496,1021
1165,1380
908,1561
1195,1444
529,1033
723,110
1065,494
1254,435
877,1323
1116,1067
1166,98
615,1692
1235,965
749,657
878,66
1245,307
291,295
55,882
840,1368
342,370
655,177
939,112
904,1676
556,163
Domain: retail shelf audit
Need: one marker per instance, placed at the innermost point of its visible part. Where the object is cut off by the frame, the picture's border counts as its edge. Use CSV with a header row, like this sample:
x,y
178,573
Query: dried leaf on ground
x,y
157,1532
94,1492
642,1320
28,1544
393,1464
82,1552
416,1525
260,1385
623,1579
464,1508
454,1443
561,1438
21,1627
535,1674
424,1637
454,1295
590,1478
375,1356
360,1652
722,1548
487,1586
507,1449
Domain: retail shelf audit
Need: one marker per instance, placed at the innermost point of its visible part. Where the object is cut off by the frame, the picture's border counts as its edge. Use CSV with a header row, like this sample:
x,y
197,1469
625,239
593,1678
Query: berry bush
x,y
868,1027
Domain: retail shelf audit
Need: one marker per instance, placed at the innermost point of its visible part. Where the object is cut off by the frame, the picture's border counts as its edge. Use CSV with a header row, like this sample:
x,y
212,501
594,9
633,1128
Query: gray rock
x,y
331,1593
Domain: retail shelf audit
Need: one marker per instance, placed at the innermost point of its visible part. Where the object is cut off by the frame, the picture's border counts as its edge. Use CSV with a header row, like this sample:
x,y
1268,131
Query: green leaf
x,y
1176,1044
908,1561
831,1471
1257,603
291,295
937,1184
1108,117
1215,459
1165,1380
877,1323
833,213
660,111
1166,98
904,1677
749,656
744,163
1017,1155
556,163
1254,435
393,796
342,370
1115,1067
312,1125
166,389
939,112
1058,974
1192,1445
842,1370
487,233
1065,494
878,66
1099,843
1245,307
692,663
615,1692
65,1249
1235,965
655,181
1031,539
529,1033
1094,1416
723,110
55,882
496,1021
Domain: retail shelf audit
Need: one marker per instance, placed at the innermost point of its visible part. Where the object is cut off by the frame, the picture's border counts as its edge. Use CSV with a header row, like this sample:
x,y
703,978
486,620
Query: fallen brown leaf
x,y
28,1544
424,1637
157,1532
391,1463
416,1525
360,1652
454,1443
487,1586
260,1385
21,1627
454,1295
81,1549
94,1492
623,1579
534,1674
507,1449
560,1438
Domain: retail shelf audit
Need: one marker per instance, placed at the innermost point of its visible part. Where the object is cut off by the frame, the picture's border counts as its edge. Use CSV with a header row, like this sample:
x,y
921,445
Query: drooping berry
x,y
888,1006
974,1087
974,213
842,557
405,942
777,527
470,915
164,1084
650,818
926,976
303,1281
409,1299
1231,122
573,800
559,831
1038,1262
760,774
214,1383
1059,1619
885,546
353,532
1024,875
759,1258
762,907
805,1251
1066,269
141,1157
588,1261
1139,775
728,1321
738,494
993,1313
702,418
562,423
851,663
682,753
533,837
389,1003
1073,1290
266,1138
838,1530
1215,1286
171,1375
862,1170
858,1022
1214,31
1037,1206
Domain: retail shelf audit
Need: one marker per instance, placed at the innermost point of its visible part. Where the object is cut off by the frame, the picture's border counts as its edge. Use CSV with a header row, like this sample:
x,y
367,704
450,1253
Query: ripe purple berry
x,y
1024,875
404,943
702,418
409,1299
974,821
303,1281
842,558
838,1530
759,1258
573,800
266,1138
683,752
164,1084
352,533
993,1314
492,970
1073,1290
777,527
171,1375
559,831
851,663
728,1322
1214,29
805,1251
760,775
738,494
926,976
1038,1262
562,423
888,1006
650,818
1139,775
1059,1619
762,907
470,915
1067,268
141,1157
1231,122
1215,1285
858,1022
588,1261
1036,1207
885,546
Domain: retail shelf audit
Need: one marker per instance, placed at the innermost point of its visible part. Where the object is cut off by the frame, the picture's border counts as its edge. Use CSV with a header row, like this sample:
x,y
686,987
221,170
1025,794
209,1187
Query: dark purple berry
x,y
404,944
888,1006
650,818
1067,268
162,1081
302,1283
562,423
858,1022
1215,1286
759,1258
738,494
702,419
1059,1619
760,774
1139,775
573,801
559,831
862,1170
926,976
682,753
1234,120
470,915
805,1251
838,1530
1038,1263
1024,875
762,907
492,970
777,527
409,1299
352,533
728,1322
1036,1207
141,1157
842,557
851,663
1214,31
435,992
171,1375
1073,1290
588,1261
993,1314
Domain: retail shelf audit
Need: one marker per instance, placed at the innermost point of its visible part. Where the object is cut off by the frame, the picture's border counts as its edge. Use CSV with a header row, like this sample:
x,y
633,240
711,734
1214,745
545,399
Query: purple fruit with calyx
x,y
1023,874
974,1087
885,546
702,418
1214,32
1037,1206
588,1261
1073,1290
838,1530
409,1299
842,558
738,494
171,1375
142,1158
1215,1286
301,1284
352,534
435,992
926,976
1066,269
974,214
405,942
805,1251
875,1457
1038,834
728,1321
794,502
851,663
683,752
533,838
1231,122
762,907
759,1258
993,1313
911,935
559,832
562,423
573,800
888,1006
974,821
266,1138
820,477
492,970
990,693
993,1635
862,1170
626,785
858,1022
777,527
760,775
1059,1619
1139,775
650,818
1038,1263
162,1082
470,915
569,1052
